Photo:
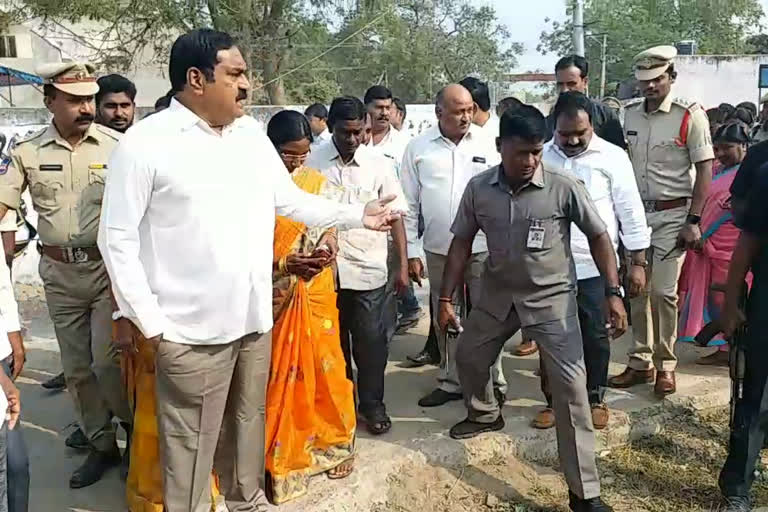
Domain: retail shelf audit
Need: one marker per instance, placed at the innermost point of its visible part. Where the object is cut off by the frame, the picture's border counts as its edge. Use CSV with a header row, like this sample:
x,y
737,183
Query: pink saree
x,y
698,305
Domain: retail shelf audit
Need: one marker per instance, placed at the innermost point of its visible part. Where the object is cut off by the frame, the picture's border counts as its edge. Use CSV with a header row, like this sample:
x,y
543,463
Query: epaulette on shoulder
x,y
633,102
29,136
109,132
687,104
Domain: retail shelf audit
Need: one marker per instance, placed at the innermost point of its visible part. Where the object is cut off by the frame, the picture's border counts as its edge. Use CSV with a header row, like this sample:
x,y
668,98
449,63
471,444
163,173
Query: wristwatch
x,y
643,263
693,219
614,291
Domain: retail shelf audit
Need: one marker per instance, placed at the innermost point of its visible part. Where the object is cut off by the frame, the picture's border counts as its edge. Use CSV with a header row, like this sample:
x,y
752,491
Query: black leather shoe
x,y
94,467
439,397
468,428
77,440
591,505
423,358
57,383
737,504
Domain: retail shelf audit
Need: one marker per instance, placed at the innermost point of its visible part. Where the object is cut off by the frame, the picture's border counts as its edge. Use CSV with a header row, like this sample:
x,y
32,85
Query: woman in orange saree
x,y
310,403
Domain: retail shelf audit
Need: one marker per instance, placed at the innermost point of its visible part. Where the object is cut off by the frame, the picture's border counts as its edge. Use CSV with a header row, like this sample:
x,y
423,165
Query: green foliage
x,y
718,27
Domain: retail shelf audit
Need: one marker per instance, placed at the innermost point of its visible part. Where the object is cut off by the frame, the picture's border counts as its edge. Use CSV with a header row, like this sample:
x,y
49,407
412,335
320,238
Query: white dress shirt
x,y
362,257
607,174
434,174
490,130
392,146
183,262
318,140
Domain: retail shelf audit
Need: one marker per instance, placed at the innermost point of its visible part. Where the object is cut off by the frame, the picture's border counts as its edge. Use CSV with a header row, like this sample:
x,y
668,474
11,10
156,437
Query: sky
x,y
525,21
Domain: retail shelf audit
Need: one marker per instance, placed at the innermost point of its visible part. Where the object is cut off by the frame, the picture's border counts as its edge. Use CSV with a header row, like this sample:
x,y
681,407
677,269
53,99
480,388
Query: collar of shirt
x,y
329,152
183,118
391,136
435,133
500,179
665,106
52,135
595,146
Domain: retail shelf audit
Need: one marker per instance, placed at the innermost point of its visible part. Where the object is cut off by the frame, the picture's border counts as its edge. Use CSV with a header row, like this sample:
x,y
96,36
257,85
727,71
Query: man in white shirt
x,y
202,293
361,175
437,166
385,139
607,173
317,115
483,117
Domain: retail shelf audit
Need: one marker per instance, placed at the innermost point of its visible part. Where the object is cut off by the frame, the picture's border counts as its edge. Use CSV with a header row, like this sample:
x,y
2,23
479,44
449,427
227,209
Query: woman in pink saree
x,y
708,263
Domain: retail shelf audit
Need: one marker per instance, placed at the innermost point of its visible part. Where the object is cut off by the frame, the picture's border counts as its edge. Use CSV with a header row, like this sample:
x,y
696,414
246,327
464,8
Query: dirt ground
x,y
674,471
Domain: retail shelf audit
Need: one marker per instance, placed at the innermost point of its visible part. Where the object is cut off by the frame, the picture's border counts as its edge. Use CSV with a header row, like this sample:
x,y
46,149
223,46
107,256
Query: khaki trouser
x,y
80,307
654,312
210,410
562,356
448,378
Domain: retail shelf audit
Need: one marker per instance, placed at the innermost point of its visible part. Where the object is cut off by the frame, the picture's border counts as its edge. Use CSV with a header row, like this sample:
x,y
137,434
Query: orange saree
x,y
310,406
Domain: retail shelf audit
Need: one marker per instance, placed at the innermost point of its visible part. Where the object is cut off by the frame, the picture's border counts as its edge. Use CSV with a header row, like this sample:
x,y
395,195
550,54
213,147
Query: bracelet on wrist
x,y
449,300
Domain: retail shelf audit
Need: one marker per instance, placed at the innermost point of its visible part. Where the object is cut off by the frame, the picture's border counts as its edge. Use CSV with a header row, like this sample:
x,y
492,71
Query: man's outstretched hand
x,y
378,216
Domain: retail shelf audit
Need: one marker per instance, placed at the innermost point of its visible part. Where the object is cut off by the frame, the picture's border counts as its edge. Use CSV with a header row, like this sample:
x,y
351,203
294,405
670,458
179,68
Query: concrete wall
x,y
714,79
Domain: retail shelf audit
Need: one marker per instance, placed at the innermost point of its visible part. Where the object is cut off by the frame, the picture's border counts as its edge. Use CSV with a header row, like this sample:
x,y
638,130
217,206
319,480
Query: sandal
x,y
378,423
343,470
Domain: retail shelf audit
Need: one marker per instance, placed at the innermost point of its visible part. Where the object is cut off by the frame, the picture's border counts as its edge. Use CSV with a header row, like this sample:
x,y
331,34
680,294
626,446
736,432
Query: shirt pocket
x,y
498,232
94,194
540,228
668,153
45,186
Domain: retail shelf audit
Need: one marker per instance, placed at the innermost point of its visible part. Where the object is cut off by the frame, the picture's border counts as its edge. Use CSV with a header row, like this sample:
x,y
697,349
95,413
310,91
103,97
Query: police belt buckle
x,y
76,255
650,206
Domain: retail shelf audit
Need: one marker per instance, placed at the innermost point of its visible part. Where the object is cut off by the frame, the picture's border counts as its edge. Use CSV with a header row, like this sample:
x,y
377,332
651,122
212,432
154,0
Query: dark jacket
x,y
605,122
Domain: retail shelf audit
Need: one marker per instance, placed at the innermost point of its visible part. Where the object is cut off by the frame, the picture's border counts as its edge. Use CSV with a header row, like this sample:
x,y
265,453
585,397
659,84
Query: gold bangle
x,y
281,266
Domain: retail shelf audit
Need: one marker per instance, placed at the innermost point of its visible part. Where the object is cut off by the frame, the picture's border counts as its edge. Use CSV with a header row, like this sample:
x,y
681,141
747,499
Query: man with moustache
x,y
207,309
64,167
385,138
115,102
437,165
671,150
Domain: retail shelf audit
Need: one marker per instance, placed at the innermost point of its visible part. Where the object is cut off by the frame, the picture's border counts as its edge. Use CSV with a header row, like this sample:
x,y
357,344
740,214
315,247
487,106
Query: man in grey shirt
x,y
529,281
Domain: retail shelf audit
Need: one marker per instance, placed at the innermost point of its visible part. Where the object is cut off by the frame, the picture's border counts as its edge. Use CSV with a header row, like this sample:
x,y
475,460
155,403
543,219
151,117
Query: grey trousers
x,y
80,307
210,412
17,464
563,355
3,468
448,378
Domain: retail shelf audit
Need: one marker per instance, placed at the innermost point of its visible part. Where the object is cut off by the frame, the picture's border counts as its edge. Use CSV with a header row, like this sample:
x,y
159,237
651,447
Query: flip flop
x,y
350,464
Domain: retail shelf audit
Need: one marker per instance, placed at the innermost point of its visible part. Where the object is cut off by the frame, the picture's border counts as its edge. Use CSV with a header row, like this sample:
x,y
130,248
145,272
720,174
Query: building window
x,y
8,47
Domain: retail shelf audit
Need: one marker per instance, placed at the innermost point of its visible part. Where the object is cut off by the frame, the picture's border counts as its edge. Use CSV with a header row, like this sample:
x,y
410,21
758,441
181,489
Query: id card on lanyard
x,y
536,234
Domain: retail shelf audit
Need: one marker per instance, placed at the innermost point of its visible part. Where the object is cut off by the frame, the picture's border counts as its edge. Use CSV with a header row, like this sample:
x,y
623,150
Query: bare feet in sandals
x,y
343,470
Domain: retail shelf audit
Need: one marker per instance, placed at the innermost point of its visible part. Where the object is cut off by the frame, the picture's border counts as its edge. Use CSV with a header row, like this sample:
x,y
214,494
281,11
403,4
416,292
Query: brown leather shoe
x,y
630,377
665,384
526,348
716,358
544,419
600,416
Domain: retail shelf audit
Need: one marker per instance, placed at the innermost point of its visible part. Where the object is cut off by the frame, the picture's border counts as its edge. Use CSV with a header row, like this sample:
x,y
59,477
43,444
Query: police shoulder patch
x,y
29,136
4,163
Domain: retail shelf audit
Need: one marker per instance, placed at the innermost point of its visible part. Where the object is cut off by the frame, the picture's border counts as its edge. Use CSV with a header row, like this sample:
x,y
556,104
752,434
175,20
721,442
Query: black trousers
x,y
747,433
594,335
364,338
17,465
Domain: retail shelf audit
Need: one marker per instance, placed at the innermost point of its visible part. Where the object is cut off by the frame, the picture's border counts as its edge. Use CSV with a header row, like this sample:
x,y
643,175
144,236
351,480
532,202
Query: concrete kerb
x,y
367,488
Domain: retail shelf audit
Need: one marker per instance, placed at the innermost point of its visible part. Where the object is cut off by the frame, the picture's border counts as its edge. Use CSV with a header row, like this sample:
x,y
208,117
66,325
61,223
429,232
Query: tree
x,y
417,46
758,44
718,27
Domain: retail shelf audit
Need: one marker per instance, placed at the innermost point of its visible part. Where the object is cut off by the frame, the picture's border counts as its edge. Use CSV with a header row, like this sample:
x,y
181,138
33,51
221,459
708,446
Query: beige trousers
x,y
654,312
80,307
210,411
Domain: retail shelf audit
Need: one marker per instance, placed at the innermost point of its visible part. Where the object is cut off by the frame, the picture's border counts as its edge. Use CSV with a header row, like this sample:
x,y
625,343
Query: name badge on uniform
x,y
631,132
51,167
535,235
478,160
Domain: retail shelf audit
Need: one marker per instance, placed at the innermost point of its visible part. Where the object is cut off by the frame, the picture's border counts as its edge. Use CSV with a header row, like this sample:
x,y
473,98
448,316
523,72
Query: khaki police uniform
x,y
664,145
66,185
529,282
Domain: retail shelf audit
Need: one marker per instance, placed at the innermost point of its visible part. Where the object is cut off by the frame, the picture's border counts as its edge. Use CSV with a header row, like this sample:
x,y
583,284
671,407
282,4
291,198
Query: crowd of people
x,y
238,375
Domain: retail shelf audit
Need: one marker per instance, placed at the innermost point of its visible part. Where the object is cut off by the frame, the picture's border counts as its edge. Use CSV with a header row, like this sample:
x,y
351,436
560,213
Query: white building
x,y
23,47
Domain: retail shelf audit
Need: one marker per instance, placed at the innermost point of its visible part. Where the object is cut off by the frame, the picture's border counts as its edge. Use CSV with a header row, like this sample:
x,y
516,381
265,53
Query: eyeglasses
x,y
290,157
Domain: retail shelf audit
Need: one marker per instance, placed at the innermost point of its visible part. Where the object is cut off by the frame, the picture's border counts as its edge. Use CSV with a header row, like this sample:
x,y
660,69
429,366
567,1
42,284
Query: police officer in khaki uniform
x,y
671,150
64,167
